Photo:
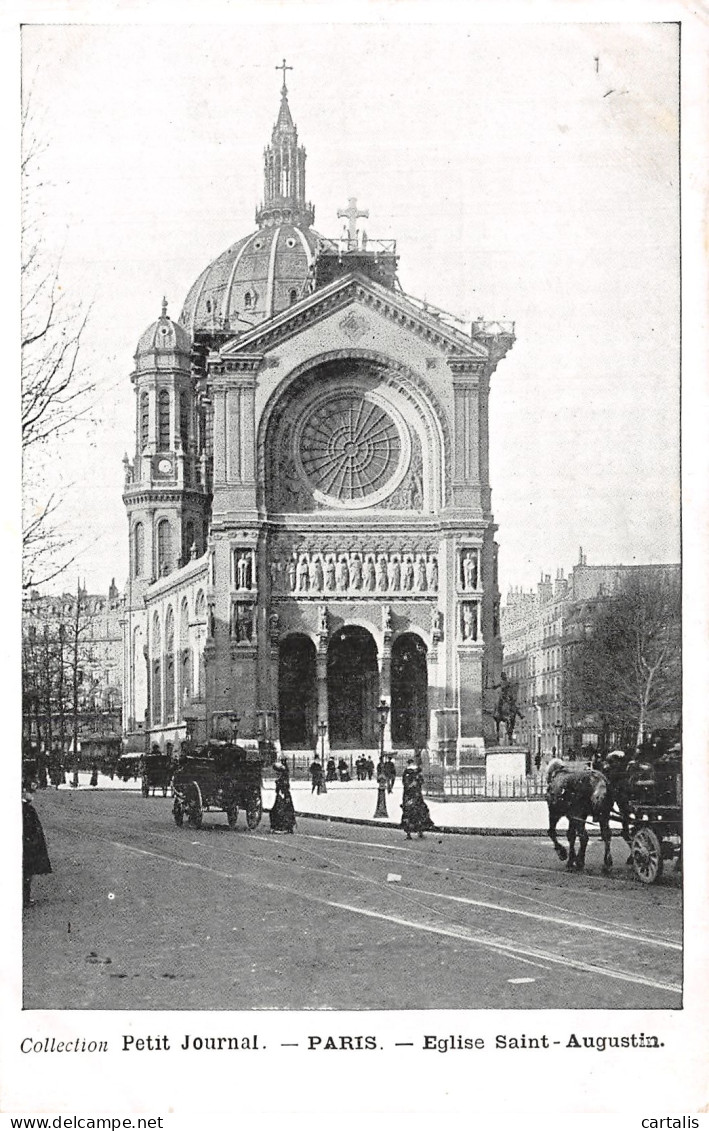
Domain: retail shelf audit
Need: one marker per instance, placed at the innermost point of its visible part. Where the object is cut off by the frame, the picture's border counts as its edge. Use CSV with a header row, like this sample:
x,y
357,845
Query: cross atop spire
x,y
352,214
284,67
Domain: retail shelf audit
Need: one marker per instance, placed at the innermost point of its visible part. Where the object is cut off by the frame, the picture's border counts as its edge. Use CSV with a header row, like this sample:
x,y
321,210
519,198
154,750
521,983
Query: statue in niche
x,y
437,625
243,571
470,571
303,574
395,573
330,572
244,623
292,573
386,616
432,573
275,568
356,572
470,628
316,574
273,627
322,621
421,582
343,573
370,574
382,575
408,574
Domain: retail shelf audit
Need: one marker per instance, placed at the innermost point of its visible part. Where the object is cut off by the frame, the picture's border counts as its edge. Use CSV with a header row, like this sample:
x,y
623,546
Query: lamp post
x,y
383,713
322,731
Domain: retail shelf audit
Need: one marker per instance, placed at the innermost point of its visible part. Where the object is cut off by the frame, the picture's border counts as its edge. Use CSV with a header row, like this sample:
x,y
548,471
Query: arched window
x,y
187,541
144,420
155,671
200,614
293,297
185,664
247,300
184,420
163,420
170,665
164,548
138,550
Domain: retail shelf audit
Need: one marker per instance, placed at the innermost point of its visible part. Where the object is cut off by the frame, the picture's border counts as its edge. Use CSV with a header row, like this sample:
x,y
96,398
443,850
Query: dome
x,y
254,279
166,339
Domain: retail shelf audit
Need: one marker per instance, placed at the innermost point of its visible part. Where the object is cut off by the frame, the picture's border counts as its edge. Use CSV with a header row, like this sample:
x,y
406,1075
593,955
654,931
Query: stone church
x,y
308,501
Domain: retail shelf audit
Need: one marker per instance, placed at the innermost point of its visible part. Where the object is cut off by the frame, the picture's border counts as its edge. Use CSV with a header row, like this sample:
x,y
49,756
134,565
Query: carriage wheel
x,y
144,787
646,852
193,804
232,814
178,812
254,812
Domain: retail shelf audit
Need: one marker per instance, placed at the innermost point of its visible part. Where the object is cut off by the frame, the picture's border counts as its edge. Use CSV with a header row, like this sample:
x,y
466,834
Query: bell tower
x,y
166,492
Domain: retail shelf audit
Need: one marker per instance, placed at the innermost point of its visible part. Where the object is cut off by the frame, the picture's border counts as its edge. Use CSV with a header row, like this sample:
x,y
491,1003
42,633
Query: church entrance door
x,y
352,689
409,692
297,694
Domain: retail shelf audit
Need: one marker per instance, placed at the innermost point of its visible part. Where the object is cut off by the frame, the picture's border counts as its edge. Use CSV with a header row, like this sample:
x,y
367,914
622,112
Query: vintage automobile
x,y
157,773
218,776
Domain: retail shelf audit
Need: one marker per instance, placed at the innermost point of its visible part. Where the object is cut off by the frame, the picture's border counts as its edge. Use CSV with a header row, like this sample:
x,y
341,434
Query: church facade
x,y
308,501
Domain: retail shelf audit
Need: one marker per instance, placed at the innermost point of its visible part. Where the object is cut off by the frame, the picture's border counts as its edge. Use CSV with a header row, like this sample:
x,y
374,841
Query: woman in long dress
x,y
282,815
415,816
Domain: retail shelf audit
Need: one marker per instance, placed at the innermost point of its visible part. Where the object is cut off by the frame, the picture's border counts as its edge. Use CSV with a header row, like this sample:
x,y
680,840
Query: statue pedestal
x,y
506,762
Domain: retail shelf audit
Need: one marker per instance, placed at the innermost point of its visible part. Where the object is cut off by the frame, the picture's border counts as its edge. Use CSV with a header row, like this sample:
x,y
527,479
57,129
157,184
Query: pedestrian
x,y
35,858
381,809
94,775
282,815
331,774
390,767
415,816
316,775
369,765
343,770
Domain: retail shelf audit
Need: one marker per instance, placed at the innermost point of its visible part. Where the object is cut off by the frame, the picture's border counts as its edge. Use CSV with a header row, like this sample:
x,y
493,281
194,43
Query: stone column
x,y
385,679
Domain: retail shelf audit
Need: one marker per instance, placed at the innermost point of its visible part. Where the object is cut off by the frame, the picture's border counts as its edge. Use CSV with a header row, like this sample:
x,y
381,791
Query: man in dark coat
x,y
35,858
390,770
316,776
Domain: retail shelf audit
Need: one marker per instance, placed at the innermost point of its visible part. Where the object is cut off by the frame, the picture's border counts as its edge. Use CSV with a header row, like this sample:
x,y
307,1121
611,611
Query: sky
x,y
527,172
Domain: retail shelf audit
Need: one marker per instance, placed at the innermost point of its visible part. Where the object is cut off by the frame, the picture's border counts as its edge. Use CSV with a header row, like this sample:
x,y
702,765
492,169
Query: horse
x,y
578,794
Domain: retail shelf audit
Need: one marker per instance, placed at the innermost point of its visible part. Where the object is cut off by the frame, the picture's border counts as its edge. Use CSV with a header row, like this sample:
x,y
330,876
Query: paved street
x,y
139,914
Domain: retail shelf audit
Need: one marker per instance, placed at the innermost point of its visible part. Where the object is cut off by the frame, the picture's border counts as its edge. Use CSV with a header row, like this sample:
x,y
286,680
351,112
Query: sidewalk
x,y
355,802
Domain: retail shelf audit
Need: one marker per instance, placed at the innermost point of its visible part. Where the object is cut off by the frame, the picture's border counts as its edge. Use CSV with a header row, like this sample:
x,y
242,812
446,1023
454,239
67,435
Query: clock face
x,y
165,466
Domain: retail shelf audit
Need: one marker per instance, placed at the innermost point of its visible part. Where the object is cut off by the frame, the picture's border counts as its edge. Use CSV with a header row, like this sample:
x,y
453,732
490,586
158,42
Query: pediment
x,y
357,307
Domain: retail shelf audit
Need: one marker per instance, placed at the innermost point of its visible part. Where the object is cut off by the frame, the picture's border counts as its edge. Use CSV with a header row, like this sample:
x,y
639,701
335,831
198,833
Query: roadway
x,y
140,914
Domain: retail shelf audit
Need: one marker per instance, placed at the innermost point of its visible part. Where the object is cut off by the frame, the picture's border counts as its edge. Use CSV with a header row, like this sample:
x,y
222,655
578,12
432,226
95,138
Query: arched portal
x,y
297,696
353,689
409,692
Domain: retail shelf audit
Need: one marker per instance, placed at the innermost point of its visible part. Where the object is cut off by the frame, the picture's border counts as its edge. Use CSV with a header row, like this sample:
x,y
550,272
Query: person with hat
x,y
415,816
35,857
282,815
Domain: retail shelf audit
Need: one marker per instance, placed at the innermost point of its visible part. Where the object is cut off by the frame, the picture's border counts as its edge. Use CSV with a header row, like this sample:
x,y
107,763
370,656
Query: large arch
x,y
353,689
409,692
297,692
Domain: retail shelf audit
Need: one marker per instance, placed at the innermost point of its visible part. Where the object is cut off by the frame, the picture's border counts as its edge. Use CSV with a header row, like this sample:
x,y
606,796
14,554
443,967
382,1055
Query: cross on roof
x,y
352,214
283,67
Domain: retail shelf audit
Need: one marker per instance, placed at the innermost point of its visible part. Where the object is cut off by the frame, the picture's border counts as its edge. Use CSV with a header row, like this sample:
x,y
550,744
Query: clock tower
x,y
166,491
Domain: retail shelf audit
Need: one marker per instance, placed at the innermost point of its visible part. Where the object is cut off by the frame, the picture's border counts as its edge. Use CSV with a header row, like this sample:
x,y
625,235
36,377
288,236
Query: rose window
x,y
352,448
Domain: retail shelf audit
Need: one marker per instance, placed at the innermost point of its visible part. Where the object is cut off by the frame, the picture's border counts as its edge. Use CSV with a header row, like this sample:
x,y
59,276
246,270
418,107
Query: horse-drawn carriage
x,y
218,776
157,773
654,813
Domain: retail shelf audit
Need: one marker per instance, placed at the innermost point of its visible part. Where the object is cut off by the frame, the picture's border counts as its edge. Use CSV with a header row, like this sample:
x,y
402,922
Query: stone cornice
x,y
342,292
176,579
217,366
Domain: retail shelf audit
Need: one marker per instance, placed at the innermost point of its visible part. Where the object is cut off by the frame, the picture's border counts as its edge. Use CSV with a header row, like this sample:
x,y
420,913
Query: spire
x,y
284,171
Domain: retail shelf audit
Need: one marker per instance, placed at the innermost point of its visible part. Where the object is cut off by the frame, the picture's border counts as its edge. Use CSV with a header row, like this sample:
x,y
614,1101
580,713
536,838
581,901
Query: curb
x,y
459,830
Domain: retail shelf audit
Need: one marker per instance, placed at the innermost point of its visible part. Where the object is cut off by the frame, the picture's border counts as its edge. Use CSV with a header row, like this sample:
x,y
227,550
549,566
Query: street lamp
x,y
383,712
322,731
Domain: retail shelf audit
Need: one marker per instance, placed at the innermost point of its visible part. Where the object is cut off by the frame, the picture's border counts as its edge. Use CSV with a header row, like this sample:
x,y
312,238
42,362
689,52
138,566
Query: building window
x,y
144,420
184,420
138,549
164,548
163,420
247,301
169,665
293,297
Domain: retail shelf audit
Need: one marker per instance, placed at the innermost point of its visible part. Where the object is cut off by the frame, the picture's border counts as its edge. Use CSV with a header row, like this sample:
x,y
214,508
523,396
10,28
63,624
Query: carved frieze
x,y
352,572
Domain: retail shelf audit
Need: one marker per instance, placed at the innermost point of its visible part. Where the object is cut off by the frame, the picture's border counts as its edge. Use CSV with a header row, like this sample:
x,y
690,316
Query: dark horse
x,y
578,794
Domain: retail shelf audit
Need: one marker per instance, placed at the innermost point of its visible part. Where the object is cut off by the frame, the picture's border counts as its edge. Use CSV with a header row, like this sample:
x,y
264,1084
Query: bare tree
x,y
625,668
56,393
